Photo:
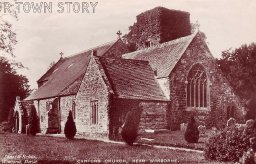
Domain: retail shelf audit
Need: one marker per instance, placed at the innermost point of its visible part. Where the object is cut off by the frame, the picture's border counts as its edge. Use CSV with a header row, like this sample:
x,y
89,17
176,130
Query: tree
x,y
11,85
192,132
33,122
129,131
70,127
239,67
7,34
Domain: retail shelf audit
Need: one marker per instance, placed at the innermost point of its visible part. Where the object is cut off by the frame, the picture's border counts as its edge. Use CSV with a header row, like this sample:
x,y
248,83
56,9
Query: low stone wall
x,y
153,116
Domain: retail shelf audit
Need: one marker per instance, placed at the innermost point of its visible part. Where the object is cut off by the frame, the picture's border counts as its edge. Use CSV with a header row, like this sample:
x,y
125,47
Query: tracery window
x,y
197,87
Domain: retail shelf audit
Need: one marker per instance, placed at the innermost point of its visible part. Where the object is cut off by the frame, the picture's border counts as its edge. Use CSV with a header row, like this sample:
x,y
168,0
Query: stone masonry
x,y
157,26
93,88
219,92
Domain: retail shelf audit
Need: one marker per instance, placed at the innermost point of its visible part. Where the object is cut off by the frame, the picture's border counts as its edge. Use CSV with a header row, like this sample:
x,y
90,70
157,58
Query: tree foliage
x,y
239,66
7,33
33,122
11,85
192,133
70,127
129,131
230,143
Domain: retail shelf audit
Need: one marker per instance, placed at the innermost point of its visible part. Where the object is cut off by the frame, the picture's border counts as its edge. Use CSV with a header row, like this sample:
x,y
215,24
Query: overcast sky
x,y
41,37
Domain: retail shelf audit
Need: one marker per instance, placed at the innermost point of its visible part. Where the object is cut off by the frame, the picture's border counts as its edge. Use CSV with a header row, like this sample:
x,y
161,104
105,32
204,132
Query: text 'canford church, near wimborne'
x,y
161,70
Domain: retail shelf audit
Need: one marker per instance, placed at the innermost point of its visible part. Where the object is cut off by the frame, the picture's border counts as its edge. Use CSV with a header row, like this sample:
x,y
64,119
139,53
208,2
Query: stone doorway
x,y
54,118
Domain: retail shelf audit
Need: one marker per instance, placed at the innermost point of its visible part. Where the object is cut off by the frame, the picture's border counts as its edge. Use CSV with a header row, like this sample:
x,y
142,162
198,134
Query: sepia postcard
x,y
114,81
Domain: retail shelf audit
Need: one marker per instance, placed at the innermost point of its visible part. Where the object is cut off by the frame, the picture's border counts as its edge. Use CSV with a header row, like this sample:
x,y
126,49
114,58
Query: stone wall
x,y
65,107
93,88
152,115
165,86
159,25
219,93
43,116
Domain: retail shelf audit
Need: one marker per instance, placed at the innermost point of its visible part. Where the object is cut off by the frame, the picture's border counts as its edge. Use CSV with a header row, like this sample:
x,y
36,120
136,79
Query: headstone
x,y
183,126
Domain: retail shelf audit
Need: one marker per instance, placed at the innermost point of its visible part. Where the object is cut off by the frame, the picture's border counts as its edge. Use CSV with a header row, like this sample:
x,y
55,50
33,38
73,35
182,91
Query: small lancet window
x,y
94,112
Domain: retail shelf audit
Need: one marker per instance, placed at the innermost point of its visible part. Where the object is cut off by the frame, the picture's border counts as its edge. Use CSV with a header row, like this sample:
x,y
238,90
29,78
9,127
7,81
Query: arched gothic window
x,y
197,87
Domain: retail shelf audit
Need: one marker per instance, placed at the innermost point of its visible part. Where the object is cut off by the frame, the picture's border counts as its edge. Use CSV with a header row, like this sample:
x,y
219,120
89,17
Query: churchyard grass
x,y
45,148
175,139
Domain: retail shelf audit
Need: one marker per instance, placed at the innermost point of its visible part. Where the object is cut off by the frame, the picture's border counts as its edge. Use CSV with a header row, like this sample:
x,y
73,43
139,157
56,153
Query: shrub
x,y
11,121
33,122
231,122
192,132
229,144
248,156
201,129
70,127
129,130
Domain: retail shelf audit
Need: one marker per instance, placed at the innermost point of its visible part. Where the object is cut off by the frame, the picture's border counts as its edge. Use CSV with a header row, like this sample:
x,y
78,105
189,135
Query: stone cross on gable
x,y
119,34
61,54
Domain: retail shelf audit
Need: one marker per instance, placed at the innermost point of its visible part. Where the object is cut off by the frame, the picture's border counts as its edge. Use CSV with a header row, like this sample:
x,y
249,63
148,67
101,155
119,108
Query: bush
x,y
231,122
11,121
192,132
33,122
70,127
129,131
229,144
248,156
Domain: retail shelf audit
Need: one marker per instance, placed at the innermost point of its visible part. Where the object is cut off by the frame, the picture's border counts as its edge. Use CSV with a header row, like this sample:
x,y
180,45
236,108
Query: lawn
x,y
174,138
42,149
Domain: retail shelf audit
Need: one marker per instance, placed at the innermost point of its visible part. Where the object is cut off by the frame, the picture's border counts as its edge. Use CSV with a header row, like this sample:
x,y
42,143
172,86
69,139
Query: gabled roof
x,y
65,76
163,58
132,79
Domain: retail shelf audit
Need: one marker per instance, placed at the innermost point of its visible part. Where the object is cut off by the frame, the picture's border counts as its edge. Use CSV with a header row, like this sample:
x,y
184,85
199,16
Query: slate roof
x,y
132,79
163,58
65,77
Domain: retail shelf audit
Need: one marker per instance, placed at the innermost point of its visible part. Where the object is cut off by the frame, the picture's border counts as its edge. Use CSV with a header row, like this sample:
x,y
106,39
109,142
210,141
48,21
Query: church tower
x,y
157,26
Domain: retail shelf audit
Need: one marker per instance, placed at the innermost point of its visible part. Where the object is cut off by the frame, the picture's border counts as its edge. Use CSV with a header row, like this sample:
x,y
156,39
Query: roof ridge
x,y
125,59
87,50
132,73
171,42
183,51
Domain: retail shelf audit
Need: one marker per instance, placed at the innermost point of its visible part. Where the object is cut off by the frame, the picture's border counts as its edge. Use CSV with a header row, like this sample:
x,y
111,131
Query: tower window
x,y
197,87
147,44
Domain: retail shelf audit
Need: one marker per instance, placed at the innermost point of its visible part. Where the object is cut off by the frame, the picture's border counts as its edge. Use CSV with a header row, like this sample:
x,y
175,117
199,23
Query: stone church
x,y
161,70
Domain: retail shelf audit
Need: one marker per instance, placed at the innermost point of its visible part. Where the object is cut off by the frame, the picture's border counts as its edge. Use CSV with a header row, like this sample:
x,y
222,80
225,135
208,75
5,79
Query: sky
x,y
41,37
